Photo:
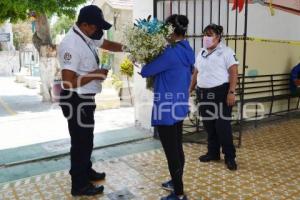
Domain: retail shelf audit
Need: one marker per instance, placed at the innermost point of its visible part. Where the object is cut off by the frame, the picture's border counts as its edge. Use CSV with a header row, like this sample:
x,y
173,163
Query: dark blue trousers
x,y
79,111
171,140
216,117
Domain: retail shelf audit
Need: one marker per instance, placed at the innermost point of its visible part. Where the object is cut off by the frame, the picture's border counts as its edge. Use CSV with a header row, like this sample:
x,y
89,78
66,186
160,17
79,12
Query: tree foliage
x,y
22,34
41,10
63,24
14,10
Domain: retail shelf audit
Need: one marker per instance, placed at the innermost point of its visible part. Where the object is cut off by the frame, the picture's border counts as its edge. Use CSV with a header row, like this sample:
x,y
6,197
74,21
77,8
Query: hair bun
x,y
183,20
179,22
220,29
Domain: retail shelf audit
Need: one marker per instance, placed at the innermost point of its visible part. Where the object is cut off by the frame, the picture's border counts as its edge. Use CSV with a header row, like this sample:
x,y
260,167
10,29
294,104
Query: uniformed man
x,y
82,79
216,77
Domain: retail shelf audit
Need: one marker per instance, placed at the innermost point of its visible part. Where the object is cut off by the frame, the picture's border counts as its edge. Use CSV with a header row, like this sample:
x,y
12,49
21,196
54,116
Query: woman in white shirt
x,y
216,77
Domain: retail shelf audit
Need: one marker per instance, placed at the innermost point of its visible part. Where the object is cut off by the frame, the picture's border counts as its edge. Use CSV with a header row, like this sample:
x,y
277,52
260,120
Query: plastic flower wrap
x,y
146,40
106,60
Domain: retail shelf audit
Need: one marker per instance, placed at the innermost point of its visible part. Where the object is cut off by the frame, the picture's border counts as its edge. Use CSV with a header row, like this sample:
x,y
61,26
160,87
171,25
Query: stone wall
x,y
9,63
143,98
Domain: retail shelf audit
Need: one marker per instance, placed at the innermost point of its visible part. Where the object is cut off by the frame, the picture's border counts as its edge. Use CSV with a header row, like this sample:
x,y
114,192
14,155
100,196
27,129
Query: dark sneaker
x,y
173,196
231,164
168,186
89,190
208,158
95,176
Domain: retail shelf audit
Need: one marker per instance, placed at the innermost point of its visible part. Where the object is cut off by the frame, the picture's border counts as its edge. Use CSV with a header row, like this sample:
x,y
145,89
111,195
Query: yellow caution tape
x,y
255,39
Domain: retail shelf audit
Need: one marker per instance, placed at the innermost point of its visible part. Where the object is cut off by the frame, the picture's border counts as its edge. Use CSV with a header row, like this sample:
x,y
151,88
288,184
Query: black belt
x,y
90,94
224,85
64,92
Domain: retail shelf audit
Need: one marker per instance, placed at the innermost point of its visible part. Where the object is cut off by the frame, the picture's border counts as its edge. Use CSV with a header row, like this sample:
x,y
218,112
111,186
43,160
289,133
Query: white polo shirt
x,y
213,68
75,55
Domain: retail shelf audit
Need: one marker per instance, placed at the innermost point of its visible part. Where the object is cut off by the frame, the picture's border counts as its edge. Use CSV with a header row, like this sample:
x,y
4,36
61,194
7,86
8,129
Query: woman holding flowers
x,y
171,71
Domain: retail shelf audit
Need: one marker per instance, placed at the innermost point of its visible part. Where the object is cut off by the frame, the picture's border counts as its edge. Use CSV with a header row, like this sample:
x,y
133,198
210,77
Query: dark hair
x,y
216,29
179,23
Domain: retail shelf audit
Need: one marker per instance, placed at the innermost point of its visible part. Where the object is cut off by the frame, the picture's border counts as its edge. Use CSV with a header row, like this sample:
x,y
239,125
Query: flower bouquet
x,y
146,40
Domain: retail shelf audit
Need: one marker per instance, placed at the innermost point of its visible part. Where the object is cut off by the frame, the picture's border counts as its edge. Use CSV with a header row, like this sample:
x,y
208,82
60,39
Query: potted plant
x,y
126,68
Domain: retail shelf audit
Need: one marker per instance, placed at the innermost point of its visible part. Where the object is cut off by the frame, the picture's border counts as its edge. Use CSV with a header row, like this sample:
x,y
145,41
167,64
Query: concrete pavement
x,y
26,120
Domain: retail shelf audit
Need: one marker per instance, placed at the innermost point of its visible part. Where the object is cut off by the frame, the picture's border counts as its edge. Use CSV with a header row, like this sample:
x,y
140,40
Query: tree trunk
x,y
48,62
42,34
130,96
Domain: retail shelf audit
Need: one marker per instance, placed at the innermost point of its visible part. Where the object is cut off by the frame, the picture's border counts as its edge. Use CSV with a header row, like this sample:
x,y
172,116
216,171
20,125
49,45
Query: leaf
x,y
149,18
18,9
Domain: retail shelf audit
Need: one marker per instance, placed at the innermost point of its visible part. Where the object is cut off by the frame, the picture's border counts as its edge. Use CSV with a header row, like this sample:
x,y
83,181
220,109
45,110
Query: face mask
x,y
98,43
207,42
97,35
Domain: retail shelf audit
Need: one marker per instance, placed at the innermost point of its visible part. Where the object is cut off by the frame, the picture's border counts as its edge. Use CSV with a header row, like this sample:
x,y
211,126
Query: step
x,y
32,82
107,99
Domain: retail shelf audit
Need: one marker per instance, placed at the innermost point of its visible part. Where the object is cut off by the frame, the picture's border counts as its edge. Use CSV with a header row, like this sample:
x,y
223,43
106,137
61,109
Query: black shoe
x,y
168,186
95,176
89,190
173,196
231,164
208,158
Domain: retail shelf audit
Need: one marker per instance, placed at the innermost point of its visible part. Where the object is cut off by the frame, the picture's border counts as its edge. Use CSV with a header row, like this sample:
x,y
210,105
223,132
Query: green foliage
x,y
64,23
18,9
126,67
22,34
116,81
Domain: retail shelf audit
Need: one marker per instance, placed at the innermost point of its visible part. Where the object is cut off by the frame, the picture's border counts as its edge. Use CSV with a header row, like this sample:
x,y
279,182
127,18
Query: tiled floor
x,y
269,169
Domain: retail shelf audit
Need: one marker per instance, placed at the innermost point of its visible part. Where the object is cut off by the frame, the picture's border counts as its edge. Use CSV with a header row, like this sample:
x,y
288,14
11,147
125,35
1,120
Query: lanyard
x,y
93,51
205,56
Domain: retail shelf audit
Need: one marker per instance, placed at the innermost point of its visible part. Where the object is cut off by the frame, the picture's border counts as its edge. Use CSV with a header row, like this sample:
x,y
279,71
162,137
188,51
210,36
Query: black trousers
x,y
79,111
171,140
216,117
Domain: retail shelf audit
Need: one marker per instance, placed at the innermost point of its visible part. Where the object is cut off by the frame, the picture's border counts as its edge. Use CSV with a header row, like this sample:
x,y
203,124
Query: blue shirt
x,y
172,72
295,74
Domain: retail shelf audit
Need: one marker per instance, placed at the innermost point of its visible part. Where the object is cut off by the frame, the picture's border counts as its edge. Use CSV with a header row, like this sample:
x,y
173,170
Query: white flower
x,y
145,47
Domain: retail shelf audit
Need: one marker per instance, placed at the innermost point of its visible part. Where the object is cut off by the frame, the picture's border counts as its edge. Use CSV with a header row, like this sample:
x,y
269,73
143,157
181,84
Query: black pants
x,y
171,140
79,111
216,117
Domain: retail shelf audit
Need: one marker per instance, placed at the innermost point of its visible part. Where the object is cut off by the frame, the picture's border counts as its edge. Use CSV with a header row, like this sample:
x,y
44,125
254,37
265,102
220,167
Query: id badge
x,y
106,61
105,66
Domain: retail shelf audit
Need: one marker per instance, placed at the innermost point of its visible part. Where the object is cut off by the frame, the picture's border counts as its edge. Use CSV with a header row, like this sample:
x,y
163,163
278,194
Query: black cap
x,y
93,15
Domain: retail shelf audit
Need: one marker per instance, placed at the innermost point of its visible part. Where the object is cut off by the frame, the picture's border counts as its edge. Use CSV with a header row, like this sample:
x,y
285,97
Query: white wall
x,y
9,63
143,98
142,8
7,28
9,60
282,25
